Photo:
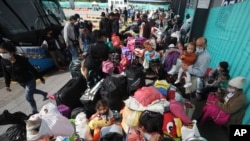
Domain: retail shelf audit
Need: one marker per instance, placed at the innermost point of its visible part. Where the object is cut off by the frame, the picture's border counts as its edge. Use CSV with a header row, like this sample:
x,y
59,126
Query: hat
x,y
103,14
171,46
114,128
237,82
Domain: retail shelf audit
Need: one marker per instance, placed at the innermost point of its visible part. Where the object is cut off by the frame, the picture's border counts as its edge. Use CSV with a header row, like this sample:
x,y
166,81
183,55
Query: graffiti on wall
x,y
229,2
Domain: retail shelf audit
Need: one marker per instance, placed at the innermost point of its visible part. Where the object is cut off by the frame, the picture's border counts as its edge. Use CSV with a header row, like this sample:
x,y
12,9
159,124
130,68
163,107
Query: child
x,y
150,54
102,117
215,74
220,84
188,58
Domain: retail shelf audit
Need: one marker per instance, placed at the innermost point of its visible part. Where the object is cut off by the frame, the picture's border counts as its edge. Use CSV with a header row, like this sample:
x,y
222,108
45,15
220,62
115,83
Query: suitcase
x,y
71,92
64,110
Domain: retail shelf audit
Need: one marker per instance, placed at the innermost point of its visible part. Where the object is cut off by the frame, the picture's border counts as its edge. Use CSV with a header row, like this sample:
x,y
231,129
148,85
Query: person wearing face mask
x,y
198,69
233,101
18,68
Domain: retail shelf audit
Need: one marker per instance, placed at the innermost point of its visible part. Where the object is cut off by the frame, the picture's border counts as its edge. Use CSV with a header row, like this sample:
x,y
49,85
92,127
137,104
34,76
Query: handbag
x,y
89,93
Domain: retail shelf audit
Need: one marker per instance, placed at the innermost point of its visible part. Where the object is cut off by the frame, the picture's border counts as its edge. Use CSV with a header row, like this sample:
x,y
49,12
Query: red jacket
x,y
189,58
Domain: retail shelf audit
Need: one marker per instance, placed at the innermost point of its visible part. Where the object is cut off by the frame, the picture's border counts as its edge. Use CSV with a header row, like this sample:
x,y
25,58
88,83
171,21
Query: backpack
x,y
135,78
139,42
74,68
126,52
151,121
107,67
114,91
171,60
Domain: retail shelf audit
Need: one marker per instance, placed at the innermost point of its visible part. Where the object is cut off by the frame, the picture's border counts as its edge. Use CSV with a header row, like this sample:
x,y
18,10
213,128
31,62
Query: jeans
x,y
85,45
30,89
73,51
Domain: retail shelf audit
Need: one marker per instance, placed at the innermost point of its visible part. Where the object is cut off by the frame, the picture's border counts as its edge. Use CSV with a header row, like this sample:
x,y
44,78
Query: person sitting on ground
x,y
188,57
199,68
220,83
218,77
54,51
102,117
233,101
214,74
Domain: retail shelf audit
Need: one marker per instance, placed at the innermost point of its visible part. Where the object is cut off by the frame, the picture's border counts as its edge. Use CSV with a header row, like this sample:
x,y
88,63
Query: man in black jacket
x,y
97,53
105,24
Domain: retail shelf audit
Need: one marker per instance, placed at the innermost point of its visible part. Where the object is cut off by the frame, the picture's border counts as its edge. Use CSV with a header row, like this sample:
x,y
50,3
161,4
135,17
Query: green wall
x,y
228,35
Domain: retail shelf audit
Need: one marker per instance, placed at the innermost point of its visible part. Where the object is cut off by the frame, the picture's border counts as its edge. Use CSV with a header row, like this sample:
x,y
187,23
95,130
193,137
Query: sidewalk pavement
x,y
15,100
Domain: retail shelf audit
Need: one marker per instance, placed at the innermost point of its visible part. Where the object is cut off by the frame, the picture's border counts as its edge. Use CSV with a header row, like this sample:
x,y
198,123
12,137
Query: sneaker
x,y
177,81
45,97
187,85
51,96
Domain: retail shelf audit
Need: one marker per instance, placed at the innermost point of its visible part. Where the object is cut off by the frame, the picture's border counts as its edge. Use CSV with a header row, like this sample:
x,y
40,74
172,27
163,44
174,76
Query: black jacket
x,y
21,71
97,53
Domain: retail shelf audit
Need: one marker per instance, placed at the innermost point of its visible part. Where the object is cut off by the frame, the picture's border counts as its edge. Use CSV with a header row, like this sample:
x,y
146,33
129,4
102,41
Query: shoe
x,y
177,81
45,97
51,96
187,85
172,70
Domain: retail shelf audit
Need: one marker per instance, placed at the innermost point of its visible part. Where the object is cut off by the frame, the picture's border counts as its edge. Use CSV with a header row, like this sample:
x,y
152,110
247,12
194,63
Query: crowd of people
x,y
140,113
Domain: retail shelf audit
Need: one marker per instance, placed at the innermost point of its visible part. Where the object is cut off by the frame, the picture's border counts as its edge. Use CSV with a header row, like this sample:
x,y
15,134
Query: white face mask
x,y
5,55
230,90
199,51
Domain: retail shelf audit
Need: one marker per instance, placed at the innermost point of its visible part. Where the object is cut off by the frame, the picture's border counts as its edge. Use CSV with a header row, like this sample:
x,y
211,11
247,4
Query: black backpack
x,y
135,78
114,90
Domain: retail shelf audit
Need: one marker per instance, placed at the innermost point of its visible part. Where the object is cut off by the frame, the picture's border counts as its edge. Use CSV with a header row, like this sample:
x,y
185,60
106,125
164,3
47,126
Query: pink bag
x,y
107,67
131,43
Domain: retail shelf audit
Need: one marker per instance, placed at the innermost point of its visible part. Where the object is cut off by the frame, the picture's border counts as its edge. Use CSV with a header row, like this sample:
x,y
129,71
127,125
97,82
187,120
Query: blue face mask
x,y
199,50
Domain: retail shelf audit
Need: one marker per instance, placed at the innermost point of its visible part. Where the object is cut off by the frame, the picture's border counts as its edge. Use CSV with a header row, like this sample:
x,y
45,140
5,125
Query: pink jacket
x,y
212,111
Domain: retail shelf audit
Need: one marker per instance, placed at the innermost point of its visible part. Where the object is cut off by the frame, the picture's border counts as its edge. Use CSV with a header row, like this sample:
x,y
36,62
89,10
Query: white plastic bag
x,y
190,130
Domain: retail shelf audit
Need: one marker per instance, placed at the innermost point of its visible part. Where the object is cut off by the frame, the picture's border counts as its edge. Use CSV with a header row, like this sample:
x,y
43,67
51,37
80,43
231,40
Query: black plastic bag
x,y
16,132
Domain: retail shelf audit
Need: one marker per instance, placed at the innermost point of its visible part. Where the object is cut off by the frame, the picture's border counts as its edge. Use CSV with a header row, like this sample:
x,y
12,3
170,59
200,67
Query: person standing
x,y
105,24
115,23
125,13
70,37
18,68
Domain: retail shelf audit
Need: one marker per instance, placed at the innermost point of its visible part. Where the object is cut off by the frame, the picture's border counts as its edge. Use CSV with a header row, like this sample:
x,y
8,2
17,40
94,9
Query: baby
x,y
188,58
